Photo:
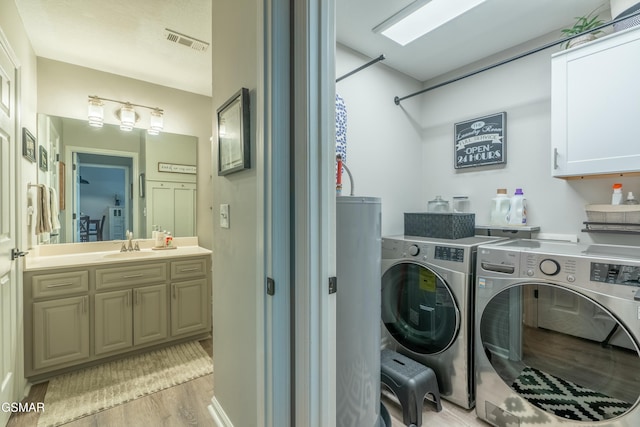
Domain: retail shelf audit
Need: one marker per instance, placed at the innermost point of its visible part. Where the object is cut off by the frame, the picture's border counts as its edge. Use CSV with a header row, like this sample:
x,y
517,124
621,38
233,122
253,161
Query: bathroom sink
x,y
129,255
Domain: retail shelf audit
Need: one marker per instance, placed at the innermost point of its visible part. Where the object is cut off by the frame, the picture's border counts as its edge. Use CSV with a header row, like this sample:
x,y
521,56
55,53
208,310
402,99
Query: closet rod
x,y
397,99
362,67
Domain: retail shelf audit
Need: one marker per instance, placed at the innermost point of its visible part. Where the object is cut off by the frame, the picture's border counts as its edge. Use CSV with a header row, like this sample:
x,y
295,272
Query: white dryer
x,y
427,307
557,333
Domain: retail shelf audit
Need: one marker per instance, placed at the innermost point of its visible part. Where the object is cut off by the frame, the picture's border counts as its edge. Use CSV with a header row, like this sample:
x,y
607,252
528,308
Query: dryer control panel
x,y
616,274
447,253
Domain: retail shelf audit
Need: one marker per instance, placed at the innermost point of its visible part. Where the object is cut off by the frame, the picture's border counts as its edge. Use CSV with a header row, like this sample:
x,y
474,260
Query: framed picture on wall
x,y
233,134
28,145
43,159
481,141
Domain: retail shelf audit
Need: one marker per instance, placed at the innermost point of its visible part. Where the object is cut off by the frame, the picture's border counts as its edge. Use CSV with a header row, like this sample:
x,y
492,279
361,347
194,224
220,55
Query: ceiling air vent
x,y
193,43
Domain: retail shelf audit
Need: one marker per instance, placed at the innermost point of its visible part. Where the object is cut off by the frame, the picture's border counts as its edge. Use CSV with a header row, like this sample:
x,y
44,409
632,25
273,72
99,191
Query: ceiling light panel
x,y
434,14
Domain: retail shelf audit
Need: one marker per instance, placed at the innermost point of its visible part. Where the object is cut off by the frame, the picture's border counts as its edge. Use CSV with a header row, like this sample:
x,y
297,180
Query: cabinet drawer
x,y
59,284
188,268
115,277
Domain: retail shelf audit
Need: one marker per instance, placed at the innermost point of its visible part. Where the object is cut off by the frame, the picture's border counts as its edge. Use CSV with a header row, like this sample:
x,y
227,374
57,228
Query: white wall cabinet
x,y
172,206
595,107
75,316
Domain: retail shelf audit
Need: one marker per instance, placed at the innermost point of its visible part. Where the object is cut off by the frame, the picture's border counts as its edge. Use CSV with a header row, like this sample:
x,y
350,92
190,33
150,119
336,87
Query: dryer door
x,y
578,377
418,308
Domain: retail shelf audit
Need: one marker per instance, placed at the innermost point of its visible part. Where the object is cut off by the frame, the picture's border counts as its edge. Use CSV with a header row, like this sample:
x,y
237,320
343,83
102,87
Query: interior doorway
x,y
103,200
103,197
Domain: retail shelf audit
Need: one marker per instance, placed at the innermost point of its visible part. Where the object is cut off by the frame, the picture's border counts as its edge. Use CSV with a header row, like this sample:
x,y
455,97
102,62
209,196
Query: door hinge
x,y
271,286
535,293
333,285
15,253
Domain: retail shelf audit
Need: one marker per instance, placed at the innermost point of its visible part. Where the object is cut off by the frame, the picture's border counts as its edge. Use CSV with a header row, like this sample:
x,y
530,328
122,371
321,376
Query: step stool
x,y
410,381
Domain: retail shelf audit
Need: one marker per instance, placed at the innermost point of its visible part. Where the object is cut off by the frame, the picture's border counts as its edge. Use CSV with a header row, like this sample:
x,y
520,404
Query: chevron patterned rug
x,y
566,399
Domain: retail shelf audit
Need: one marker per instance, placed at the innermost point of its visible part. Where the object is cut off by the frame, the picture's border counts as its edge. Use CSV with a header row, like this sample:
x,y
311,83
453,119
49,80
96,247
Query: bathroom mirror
x,y
106,181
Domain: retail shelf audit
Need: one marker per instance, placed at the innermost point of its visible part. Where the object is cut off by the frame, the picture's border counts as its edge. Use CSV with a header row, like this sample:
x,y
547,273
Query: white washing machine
x,y
557,333
427,307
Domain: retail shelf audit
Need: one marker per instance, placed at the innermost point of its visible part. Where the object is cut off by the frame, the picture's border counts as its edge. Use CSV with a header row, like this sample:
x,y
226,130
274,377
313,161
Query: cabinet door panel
x,y
594,107
150,314
113,321
60,331
189,307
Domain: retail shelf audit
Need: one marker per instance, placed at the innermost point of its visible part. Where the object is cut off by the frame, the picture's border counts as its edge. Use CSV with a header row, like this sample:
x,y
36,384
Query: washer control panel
x,y
617,274
447,253
544,266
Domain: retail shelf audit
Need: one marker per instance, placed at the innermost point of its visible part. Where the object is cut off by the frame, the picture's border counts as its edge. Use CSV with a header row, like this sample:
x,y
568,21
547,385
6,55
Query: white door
x,y
8,270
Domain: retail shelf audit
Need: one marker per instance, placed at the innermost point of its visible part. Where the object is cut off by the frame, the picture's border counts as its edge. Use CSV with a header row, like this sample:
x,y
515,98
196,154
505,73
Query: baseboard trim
x,y
220,418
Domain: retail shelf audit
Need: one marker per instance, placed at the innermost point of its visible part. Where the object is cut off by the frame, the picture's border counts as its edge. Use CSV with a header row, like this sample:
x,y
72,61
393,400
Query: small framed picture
x,y
43,159
233,134
28,145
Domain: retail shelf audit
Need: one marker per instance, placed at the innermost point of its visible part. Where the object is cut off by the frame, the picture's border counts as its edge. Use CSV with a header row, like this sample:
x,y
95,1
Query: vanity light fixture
x,y
96,112
156,122
127,115
422,17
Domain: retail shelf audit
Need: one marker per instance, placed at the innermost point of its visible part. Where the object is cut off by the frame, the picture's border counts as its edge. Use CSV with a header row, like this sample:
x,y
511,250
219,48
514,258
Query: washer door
x,y
418,308
568,364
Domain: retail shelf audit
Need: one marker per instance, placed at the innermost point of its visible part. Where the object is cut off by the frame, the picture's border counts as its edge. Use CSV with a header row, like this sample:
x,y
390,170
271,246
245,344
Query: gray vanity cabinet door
x,y
113,321
150,314
189,303
60,331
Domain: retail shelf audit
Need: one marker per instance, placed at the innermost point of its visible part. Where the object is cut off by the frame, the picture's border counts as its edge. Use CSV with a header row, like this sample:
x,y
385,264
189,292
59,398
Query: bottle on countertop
x,y
616,197
631,200
499,208
159,238
518,209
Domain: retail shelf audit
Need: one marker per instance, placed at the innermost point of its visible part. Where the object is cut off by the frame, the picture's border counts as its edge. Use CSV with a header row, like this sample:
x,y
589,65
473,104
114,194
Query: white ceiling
x,y
126,37
490,28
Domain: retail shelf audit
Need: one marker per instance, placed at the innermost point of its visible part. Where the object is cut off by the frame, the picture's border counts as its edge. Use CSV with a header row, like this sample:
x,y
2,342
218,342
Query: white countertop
x,y
96,253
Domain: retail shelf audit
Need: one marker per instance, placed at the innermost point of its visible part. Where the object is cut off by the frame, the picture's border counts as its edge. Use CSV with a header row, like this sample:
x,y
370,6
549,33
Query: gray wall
x,y
388,162
63,90
235,250
383,141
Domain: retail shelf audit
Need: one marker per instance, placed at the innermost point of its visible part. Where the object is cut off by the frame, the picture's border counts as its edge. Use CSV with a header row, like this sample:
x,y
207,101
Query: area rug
x,y
566,399
85,392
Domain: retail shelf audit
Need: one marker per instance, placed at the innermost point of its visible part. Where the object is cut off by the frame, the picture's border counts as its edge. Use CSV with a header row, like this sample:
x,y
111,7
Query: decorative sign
x,y
481,141
173,168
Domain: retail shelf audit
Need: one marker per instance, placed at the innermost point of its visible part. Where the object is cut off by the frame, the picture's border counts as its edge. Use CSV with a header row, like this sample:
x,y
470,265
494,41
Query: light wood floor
x,y
181,405
450,416
186,405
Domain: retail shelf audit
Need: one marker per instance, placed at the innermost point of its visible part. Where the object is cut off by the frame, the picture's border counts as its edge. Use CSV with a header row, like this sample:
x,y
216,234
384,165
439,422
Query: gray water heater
x,y
358,301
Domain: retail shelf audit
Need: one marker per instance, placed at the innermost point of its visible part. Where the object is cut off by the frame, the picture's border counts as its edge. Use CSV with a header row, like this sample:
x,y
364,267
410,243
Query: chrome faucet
x,y
129,247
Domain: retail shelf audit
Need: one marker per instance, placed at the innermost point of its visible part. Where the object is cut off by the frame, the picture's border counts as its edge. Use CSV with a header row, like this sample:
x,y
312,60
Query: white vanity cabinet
x,y
595,108
74,317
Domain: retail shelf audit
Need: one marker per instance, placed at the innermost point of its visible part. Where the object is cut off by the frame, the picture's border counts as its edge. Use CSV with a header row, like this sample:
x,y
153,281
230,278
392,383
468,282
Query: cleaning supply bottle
x,y
518,209
631,200
499,208
616,197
